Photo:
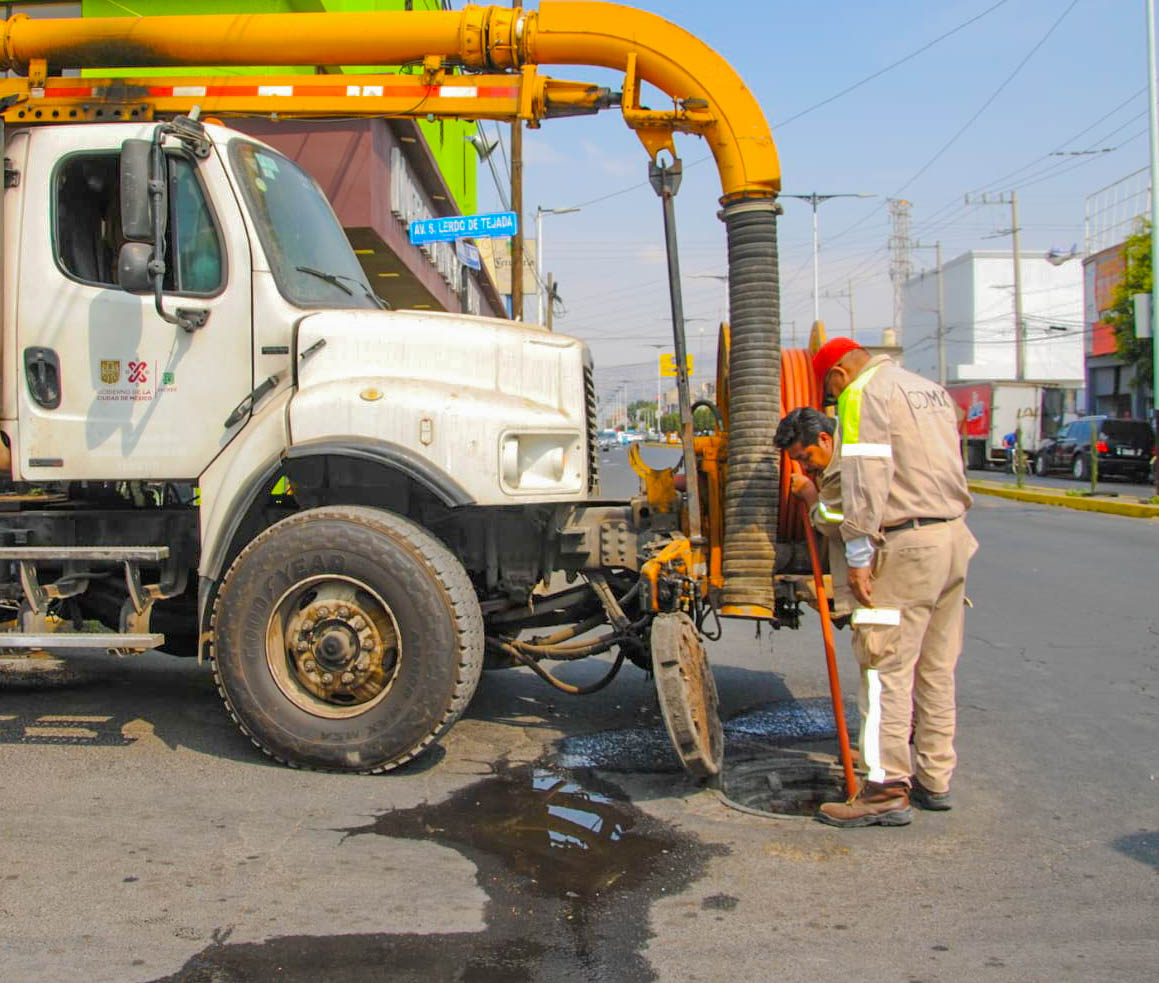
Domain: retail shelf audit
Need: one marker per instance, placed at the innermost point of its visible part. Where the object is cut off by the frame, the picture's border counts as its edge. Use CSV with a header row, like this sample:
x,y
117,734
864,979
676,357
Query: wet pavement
x,y
570,871
145,839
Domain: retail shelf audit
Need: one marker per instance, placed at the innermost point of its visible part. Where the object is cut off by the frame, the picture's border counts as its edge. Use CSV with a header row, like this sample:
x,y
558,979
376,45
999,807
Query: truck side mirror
x,y
136,169
133,268
145,215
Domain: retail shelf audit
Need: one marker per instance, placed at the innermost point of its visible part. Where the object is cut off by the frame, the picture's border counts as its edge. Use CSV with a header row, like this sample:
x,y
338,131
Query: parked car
x,y
1124,448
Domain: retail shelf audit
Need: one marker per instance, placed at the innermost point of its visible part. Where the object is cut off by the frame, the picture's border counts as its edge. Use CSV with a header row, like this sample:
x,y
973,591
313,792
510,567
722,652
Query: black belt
x,y
916,523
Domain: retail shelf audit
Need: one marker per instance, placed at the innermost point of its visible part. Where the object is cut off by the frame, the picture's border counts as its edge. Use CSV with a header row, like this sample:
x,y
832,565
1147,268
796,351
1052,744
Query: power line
x,y
824,102
889,68
986,105
965,126
1003,181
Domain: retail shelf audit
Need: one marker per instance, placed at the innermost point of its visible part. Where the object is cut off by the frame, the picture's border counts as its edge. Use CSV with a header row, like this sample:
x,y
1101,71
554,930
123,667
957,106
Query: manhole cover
x,y
687,691
787,782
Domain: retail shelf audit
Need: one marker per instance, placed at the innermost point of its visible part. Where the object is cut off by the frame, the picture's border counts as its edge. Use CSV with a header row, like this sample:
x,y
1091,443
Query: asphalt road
x,y
145,839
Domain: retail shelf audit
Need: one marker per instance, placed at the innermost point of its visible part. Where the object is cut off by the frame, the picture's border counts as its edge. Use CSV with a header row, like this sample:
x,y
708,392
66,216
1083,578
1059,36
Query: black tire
x,y
975,457
400,602
1079,468
1040,467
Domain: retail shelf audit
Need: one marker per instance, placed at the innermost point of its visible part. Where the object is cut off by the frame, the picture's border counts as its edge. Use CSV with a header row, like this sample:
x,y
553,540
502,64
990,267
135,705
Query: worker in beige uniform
x,y
806,436
904,496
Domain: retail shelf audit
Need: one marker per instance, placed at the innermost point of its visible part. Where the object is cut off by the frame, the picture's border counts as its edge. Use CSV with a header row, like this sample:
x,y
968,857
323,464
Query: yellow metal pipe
x,y
676,62
562,33
390,38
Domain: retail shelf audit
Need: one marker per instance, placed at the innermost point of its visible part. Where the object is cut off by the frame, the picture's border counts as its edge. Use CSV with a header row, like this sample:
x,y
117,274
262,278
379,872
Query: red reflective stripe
x,y
319,91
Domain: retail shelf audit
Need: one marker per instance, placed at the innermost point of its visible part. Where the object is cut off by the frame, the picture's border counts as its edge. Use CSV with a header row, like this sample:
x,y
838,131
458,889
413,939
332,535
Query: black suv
x,y
1124,448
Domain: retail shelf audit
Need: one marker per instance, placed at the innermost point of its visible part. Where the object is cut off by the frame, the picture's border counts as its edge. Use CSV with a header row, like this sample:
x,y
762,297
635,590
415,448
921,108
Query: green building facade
x,y
448,139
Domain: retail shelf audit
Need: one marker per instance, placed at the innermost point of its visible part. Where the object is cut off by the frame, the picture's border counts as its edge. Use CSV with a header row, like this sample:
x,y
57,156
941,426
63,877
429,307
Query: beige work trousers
x,y
907,646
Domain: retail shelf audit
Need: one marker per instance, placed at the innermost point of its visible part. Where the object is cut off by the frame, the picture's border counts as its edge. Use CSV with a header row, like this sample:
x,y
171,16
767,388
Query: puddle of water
x,y
570,870
562,839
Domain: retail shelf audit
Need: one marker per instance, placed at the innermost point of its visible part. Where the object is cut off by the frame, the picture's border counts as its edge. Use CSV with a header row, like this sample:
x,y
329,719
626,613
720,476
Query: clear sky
x,y
1082,88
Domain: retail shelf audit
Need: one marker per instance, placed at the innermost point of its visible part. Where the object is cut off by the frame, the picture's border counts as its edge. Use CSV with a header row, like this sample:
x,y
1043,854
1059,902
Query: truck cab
x,y
191,355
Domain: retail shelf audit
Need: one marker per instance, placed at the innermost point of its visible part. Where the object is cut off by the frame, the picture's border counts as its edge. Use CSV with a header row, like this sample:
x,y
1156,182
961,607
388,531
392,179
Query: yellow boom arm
x,y
709,98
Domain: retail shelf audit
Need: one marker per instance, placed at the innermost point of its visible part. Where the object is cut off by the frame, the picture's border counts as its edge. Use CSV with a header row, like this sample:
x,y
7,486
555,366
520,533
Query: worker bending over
x,y
806,436
903,495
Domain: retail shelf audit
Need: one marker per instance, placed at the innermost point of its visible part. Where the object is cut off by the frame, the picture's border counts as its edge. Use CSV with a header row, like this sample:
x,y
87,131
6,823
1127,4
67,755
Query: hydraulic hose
x,y
751,497
798,388
831,666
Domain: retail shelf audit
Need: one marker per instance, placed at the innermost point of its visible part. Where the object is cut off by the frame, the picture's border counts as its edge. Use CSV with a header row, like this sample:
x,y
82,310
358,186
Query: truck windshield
x,y
309,254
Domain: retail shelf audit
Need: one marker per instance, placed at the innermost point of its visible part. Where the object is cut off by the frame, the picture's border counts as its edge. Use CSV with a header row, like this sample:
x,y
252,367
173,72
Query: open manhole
x,y
786,782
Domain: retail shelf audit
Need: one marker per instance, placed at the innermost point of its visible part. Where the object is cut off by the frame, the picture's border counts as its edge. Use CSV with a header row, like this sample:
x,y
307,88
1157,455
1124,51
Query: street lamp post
x,y
723,278
815,199
1153,114
543,297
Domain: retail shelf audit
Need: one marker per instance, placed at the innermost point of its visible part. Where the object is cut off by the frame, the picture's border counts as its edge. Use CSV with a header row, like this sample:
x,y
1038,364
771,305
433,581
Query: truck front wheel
x,y
346,639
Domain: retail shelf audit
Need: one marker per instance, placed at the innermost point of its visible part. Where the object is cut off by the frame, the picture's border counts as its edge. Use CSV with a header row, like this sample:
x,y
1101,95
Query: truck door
x,y
108,388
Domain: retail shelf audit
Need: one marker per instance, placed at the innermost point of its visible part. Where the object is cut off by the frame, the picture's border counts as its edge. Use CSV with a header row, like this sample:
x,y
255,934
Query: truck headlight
x,y
531,462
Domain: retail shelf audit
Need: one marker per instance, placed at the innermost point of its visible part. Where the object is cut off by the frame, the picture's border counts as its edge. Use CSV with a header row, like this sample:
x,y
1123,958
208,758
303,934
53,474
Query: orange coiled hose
x,y
798,388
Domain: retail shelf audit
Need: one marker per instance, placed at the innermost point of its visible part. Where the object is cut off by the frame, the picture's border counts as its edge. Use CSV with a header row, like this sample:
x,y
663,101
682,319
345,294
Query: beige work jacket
x,y
897,444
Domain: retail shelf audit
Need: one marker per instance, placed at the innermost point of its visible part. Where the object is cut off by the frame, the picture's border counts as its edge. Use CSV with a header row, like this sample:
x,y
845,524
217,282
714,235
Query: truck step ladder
x,y
134,634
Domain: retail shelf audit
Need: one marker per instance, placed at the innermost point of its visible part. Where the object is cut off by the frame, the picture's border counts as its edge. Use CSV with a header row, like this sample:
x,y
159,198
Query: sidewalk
x,y
1118,505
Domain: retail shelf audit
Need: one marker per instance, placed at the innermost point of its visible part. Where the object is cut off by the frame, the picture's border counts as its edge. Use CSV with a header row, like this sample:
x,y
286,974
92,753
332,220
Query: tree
x,y
702,419
1136,352
642,413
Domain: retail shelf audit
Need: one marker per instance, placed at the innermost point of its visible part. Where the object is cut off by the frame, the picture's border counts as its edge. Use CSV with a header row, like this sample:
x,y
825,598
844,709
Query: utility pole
x,y
851,309
1154,128
941,331
846,293
517,207
941,318
550,301
1019,328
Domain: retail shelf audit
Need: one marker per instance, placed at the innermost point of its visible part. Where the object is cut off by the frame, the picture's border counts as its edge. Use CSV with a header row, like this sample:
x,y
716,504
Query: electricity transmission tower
x,y
900,262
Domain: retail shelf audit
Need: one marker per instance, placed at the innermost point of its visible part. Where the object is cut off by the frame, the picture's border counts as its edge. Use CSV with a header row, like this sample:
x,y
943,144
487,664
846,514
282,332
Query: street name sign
x,y
451,227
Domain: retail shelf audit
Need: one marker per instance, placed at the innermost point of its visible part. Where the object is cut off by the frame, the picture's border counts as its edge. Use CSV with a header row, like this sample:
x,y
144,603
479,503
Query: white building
x,y
978,290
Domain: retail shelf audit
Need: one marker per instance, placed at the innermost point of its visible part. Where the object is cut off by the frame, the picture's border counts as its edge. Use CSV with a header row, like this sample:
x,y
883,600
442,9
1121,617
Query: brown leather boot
x,y
874,805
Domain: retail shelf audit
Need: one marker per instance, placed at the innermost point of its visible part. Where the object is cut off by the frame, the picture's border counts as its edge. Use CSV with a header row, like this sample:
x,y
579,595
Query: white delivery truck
x,y
992,411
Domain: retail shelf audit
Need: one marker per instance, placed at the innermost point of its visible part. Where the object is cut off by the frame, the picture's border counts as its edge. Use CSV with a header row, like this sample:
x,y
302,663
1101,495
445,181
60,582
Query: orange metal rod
x,y
831,664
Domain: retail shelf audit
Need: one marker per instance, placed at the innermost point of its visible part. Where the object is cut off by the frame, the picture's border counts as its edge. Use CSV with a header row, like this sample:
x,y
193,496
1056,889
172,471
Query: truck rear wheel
x,y
346,639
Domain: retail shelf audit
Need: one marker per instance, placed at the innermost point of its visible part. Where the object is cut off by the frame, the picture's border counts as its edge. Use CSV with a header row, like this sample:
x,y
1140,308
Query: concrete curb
x,y
1042,496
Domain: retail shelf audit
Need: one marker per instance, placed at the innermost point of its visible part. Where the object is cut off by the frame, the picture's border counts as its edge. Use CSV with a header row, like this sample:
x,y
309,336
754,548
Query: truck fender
x,y
391,457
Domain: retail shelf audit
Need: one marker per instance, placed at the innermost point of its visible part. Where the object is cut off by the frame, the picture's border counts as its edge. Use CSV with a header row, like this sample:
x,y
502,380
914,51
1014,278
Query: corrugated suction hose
x,y
752,492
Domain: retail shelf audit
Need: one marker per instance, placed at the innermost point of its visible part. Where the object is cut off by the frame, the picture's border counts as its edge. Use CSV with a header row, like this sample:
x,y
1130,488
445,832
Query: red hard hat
x,y
829,354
